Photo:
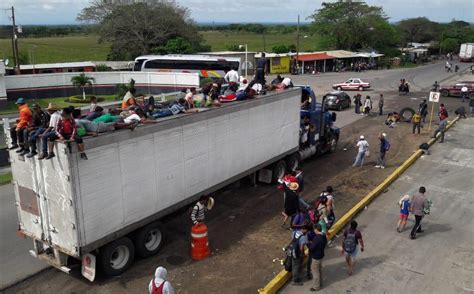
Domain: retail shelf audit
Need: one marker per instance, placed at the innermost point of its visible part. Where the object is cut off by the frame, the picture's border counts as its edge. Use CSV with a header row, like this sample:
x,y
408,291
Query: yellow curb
x,y
283,276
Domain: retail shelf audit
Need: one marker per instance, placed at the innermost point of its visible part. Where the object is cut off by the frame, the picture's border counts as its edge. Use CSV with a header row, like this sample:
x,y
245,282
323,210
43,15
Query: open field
x,y
13,108
58,49
86,48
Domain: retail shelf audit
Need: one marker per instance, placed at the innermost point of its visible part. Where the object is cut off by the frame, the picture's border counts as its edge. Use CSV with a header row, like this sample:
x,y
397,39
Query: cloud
x,y
48,6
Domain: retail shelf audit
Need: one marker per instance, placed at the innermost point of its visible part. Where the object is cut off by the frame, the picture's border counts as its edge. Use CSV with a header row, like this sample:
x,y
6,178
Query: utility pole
x,y
297,43
264,49
15,42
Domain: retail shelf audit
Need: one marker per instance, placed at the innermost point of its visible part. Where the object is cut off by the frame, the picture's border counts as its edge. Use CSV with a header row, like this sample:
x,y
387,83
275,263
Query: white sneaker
x,y
382,167
377,166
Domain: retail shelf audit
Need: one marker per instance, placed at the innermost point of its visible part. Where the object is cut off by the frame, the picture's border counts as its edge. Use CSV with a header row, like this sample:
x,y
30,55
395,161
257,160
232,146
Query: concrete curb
x,y
283,276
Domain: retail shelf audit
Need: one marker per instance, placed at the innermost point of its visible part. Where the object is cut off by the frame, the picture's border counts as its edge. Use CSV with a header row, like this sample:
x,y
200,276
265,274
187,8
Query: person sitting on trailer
x,y
285,84
98,111
190,98
213,98
138,115
66,130
130,100
277,80
110,116
94,128
174,109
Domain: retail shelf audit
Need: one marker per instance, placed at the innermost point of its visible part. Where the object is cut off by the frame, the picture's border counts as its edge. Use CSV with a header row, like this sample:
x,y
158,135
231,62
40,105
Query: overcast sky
x,y
65,11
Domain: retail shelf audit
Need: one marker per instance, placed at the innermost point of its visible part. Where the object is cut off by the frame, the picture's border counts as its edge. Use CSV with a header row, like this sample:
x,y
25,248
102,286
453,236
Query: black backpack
x,y
293,249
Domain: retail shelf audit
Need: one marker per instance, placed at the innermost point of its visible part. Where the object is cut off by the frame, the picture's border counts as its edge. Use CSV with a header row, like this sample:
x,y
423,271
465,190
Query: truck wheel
x,y
406,114
293,162
278,171
148,240
445,93
117,256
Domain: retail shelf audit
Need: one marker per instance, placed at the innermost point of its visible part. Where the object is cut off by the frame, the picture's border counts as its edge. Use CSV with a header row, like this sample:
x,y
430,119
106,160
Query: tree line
x,y
159,27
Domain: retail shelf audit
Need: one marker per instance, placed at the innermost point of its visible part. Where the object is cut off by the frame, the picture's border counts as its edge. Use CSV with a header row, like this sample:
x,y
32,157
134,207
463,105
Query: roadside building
x,y
278,63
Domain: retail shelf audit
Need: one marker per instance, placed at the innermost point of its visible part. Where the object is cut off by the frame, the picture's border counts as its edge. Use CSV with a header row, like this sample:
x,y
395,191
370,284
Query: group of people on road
x,y
363,151
364,108
419,205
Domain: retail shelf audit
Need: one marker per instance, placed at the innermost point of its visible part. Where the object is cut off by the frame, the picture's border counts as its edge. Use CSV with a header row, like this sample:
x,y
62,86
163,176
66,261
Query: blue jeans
x,y
359,159
34,136
162,113
46,138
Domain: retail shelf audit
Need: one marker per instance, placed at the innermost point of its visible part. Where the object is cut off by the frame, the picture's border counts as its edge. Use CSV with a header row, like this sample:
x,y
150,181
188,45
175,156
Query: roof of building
x,y
341,53
314,56
228,52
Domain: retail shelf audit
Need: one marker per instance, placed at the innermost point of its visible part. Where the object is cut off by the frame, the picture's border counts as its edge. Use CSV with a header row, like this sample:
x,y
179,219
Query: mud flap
x,y
88,268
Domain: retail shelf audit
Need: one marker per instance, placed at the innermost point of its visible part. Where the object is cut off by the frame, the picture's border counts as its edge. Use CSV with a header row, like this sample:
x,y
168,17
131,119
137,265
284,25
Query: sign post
x,y
434,98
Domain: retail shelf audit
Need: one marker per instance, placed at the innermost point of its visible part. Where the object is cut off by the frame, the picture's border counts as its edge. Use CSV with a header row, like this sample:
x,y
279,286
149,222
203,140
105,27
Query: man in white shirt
x,y
232,77
363,147
50,131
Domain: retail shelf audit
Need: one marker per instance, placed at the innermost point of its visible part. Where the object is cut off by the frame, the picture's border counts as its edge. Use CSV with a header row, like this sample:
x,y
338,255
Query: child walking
x,y
404,212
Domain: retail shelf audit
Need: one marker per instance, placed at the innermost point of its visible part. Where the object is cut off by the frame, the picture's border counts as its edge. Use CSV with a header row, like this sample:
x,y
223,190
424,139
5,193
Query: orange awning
x,y
314,56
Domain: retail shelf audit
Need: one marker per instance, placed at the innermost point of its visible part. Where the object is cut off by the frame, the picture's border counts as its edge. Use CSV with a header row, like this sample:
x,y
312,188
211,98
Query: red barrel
x,y
199,242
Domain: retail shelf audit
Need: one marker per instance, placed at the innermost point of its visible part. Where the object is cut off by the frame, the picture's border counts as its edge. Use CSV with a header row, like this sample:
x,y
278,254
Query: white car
x,y
352,84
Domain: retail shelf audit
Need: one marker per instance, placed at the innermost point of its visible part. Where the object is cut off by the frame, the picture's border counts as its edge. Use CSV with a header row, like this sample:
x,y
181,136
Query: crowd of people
x,y
37,127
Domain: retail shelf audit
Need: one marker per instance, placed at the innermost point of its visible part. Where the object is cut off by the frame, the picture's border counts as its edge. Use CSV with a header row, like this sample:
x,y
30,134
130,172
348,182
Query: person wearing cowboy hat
x,y
50,131
22,123
292,202
198,213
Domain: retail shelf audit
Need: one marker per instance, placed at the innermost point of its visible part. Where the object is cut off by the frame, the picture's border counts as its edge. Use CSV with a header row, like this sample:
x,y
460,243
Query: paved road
x,y
18,257
440,260
16,263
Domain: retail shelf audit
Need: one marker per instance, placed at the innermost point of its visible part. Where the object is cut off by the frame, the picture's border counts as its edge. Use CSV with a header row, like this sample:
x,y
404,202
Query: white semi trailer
x,y
466,52
104,210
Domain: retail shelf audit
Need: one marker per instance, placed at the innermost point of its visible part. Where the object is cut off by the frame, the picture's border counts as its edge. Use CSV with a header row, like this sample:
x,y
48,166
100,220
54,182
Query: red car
x,y
456,89
352,84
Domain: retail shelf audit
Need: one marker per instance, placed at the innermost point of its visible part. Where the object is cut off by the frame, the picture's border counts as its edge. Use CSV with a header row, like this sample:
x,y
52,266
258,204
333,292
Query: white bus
x,y
207,66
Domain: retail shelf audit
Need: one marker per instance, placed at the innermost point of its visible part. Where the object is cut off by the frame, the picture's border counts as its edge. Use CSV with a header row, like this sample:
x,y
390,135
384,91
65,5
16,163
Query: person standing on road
x,y
381,102
384,147
261,69
471,106
417,208
464,93
363,148
291,201
357,103
316,249
350,245
435,87
198,214
159,284
404,212
441,129
416,121
367,105
299,242
423,108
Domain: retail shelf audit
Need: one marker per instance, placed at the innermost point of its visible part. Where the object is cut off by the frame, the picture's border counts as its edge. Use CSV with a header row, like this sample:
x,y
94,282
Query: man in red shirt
x,y
66,130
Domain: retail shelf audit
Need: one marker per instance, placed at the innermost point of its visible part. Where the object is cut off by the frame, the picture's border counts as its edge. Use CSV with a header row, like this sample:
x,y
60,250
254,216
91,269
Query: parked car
x,y
352,84
455,90
337,100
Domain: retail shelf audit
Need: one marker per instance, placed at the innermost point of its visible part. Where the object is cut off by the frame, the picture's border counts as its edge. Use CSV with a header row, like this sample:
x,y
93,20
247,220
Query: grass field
x,y
87,48
59,49
5,178
13,108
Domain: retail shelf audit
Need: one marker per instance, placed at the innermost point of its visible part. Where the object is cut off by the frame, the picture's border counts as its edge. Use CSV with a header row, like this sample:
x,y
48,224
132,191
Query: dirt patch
x,y
244,228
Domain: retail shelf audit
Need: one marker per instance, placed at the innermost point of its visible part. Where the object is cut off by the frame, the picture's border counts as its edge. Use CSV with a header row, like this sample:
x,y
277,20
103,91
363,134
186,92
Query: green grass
x,y
5,178
219,40
13,108
85,48
58,49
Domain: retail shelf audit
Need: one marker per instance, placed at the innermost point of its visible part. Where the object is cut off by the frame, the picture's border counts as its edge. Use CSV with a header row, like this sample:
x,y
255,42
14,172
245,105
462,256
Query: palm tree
x,y
81,81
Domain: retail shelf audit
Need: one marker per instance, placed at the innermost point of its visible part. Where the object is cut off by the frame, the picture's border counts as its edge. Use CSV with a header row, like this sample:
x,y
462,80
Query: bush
x,y
79,99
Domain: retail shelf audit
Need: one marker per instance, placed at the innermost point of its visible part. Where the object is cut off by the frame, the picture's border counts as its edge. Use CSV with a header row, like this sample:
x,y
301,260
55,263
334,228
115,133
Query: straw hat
x,y
293,186
210,203
51,106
